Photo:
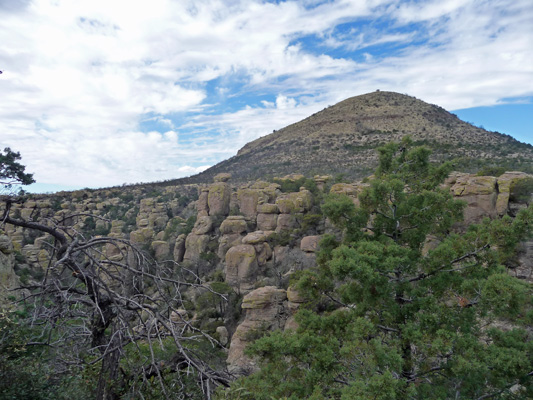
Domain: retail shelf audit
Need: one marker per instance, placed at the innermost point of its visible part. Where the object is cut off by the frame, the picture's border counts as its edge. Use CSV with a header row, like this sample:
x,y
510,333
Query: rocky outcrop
x,y
194,246
241,267
485,196
218,198
179,248
505,183
265,309
480,194
297,202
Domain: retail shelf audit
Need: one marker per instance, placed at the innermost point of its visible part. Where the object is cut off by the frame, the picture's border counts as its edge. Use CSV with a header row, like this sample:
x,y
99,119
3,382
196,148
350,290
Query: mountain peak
x,y
342,139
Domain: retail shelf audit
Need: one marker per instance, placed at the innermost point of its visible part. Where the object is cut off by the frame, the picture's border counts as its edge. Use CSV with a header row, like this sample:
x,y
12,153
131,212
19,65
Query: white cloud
x,y
79,77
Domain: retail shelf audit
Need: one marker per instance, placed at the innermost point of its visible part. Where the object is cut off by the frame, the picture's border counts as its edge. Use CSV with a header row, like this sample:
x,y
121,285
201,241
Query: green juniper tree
x,y
402,307
11,171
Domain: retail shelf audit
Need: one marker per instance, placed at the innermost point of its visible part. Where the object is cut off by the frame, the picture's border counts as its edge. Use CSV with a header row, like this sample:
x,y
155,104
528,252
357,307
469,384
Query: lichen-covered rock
x,y
201,203
223,335
474,185
248,199
31,253
294,296
321,181
348,189
218,198
241,267
194,246
296,202
480,194
159,221
268,208
233,224
352,190
203,225
257,237
267,222
505,182
179,248
226,242
261,301
143,235
309,244
264,253
290,178
161,250
6,246
17,238
116,228
265,311
287,222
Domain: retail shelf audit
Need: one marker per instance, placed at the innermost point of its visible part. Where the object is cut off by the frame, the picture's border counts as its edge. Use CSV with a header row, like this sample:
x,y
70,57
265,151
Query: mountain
x,y
343,138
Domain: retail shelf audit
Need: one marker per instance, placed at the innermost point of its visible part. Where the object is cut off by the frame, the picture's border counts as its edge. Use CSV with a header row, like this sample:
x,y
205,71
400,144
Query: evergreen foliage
x,y
402,308
11,171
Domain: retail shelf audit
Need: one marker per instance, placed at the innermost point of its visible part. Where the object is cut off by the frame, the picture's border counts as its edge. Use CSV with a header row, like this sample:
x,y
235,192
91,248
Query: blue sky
x,y
98,93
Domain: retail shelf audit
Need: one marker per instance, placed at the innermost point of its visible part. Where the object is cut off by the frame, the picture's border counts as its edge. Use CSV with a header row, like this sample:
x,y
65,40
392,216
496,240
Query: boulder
x,y
241,267
260,302
297,202
321,181
257,237
352,190
268,208
201,203
480,194
233,224
6,246
264,253
203,225
309,244
226,242
194,246
161,250
143,235
474,185
267,222
218,198
287,222
248,199
179,248
223,335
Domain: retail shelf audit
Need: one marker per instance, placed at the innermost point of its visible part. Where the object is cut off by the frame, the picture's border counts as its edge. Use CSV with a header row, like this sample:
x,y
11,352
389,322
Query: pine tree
x,y
406,305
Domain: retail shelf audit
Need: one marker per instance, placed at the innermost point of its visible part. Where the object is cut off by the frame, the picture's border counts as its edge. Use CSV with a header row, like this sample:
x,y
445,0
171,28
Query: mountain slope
x,y
342,139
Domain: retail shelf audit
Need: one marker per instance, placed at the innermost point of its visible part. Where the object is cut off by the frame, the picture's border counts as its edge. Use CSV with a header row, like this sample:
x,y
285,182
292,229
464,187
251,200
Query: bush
x,y
522,191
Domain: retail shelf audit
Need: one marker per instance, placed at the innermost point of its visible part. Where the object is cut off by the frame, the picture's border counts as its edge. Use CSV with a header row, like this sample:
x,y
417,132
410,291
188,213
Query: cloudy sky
x,y
103,92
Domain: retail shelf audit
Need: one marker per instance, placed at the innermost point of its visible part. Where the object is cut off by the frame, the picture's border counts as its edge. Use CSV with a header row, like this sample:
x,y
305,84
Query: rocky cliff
x,y
242,239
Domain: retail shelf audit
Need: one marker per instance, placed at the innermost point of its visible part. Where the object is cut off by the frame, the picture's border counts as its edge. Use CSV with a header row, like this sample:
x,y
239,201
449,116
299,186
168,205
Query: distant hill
x,y
343,138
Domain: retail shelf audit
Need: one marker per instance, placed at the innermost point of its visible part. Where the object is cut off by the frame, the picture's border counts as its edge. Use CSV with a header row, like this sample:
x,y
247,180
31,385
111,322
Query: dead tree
x,y
100,309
